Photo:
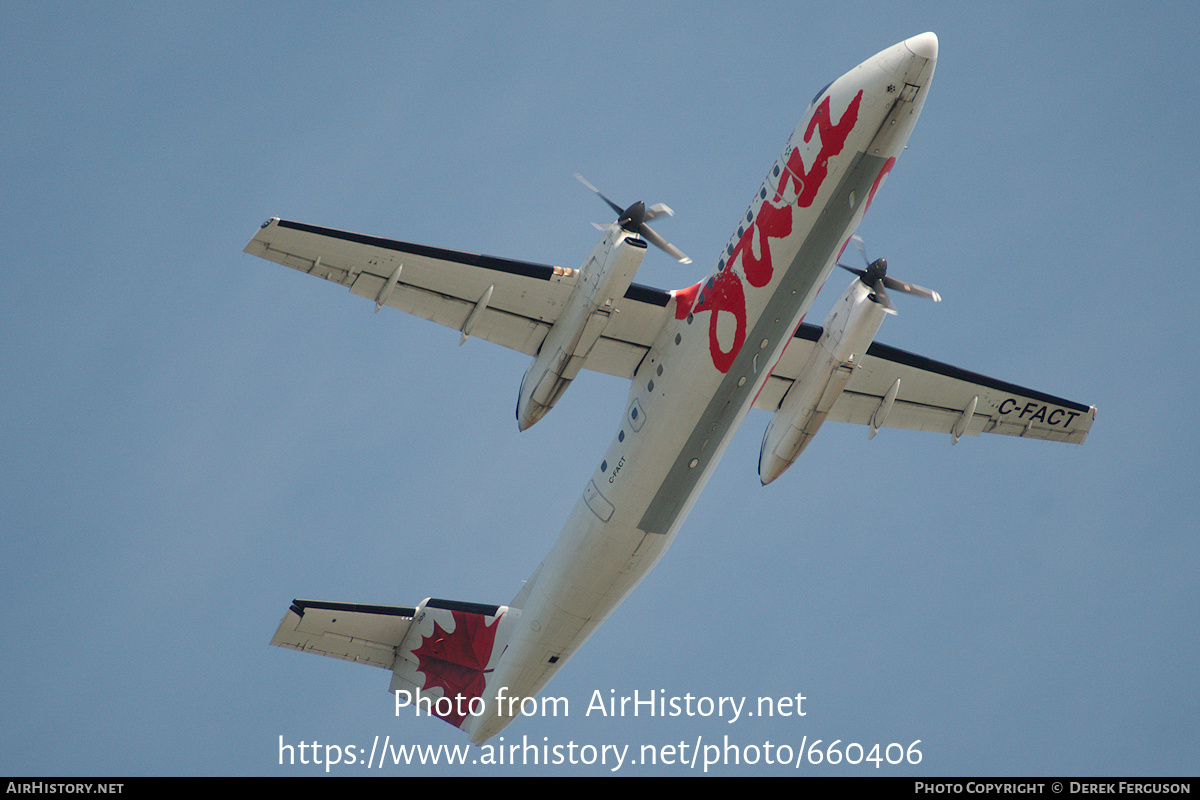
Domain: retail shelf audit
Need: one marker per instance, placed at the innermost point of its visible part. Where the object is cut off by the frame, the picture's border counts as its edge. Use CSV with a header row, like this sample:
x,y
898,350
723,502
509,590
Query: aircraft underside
x,y
698,360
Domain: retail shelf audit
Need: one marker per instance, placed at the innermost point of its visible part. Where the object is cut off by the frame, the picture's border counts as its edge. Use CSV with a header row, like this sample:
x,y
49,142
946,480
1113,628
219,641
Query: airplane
x,y
698,359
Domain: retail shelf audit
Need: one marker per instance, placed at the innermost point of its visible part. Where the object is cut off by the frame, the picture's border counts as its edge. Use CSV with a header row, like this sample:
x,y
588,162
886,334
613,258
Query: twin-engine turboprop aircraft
x,y
698,359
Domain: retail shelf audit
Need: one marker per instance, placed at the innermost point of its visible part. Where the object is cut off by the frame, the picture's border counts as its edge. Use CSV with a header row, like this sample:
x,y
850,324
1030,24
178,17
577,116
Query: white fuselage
x,y
700,378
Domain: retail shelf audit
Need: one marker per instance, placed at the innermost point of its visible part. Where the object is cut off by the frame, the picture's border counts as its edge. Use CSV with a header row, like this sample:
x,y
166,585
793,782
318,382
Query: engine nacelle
x,y
603,279
848,332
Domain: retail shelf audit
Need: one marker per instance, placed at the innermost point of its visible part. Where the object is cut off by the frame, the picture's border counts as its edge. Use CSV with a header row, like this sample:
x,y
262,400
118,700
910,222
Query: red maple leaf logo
x,y
457,662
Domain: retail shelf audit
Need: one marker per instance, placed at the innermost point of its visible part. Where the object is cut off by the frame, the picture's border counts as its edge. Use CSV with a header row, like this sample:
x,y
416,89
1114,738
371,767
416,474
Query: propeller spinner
x,y
876,278
634,218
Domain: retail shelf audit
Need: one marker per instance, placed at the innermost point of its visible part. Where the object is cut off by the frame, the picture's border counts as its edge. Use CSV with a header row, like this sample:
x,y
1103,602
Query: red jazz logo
x,y
724,293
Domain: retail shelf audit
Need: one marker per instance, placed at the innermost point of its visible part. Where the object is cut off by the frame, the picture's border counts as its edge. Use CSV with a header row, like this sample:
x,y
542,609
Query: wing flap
x,y
513,330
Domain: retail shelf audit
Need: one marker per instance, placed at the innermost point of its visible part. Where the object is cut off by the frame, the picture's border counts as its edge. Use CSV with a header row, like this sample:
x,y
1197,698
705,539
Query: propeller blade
x,y
662,244
881,297
620,211
859,272
858,242
912,288
659,210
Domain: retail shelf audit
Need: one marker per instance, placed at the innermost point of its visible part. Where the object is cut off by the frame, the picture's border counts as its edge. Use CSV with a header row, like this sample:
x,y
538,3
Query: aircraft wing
x,y
933,396
518,301
361,633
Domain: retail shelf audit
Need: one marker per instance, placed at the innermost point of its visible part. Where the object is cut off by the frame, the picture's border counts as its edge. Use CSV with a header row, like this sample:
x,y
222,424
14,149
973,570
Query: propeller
x,y
876,278
634,219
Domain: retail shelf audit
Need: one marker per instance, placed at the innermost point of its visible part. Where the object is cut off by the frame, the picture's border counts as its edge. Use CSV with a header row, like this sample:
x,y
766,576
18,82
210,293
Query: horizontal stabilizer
x,y
440,649
362,633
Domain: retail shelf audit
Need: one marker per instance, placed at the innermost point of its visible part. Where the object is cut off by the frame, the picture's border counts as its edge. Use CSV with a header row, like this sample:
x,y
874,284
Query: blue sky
x,y
194,437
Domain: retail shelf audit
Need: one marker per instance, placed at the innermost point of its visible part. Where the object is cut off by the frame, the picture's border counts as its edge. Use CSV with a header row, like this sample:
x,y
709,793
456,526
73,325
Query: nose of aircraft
x,y
924,45
913,59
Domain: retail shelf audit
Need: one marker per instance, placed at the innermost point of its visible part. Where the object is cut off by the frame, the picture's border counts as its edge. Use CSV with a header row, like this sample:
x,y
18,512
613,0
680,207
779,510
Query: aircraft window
x,y
775,172
621,435
817,96
762,193
633,413
604,466
740,231
650,386
709,285
729,248
660,370
721,265
690,316
750,215
678,338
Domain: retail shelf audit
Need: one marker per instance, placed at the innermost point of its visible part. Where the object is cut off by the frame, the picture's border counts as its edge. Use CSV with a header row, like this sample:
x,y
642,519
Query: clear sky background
x,y
192,437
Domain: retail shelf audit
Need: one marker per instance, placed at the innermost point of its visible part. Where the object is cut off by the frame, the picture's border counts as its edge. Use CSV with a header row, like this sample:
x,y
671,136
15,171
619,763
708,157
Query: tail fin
x,y
439,649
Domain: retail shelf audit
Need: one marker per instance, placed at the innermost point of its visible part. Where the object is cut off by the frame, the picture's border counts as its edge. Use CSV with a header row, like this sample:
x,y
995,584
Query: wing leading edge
x,y
512,303
933,396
